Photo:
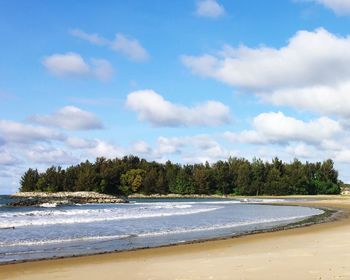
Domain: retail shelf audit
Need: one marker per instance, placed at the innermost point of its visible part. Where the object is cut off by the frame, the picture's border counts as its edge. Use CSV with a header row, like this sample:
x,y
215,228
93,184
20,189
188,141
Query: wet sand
x,y
316,252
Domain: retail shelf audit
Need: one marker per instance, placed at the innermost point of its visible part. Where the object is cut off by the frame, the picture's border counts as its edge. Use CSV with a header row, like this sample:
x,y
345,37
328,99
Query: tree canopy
x,y
124,176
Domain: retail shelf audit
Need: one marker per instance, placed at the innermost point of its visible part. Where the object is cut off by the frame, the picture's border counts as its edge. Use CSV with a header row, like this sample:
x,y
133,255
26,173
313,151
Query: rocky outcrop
x,y
345,191
63,198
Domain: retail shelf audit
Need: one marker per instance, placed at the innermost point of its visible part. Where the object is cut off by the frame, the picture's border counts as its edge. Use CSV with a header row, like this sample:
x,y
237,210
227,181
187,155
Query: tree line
x,y
238,176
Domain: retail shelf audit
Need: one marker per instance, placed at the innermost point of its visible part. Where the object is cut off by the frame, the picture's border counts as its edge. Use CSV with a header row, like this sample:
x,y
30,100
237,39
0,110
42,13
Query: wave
x,y
178,204
75,212
261,200
48,205
60,217
223,226
56,241
152,234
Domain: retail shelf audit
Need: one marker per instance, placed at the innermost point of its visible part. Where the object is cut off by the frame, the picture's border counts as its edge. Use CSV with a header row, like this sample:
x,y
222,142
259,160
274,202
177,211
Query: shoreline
x,y
329,215
340,217
215,196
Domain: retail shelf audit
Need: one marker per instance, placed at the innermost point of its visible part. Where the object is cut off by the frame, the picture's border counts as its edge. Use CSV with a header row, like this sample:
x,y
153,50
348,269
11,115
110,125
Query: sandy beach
x,y
316,252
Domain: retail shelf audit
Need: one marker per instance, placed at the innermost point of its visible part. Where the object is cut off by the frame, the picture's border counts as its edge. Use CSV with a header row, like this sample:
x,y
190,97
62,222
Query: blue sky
x,y
184,80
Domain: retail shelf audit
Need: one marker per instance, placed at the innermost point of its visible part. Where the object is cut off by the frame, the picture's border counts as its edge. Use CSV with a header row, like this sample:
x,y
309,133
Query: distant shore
x,y
315,252
229,196
83,197
173,195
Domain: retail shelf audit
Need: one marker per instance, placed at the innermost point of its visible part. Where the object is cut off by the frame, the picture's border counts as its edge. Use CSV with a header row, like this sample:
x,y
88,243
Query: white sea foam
x,y
53,217
223,226
151,234
67,240
48,205
262,200
179,203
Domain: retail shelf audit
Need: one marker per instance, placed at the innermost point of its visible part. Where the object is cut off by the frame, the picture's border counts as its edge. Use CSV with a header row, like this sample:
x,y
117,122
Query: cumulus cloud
x,y
278,128
170,145
72,65
209,8
340,7
311,72
105,149
334,100
80,143
301,150
101,69
12,131
71,118
153,108
141,147
50,156
128,46
310,58
343,157
192,149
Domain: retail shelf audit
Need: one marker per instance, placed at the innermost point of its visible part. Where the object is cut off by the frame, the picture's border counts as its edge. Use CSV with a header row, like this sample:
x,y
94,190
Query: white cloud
x,y
92,38
302,150
311,72
310,58
334,100
209,8
278,128
343,157
71,118
50,156
105,149
340,7
170,145
101,69
141,147
12,131
69,64
72,65
153,108
128,46
7,158
80,143
192,149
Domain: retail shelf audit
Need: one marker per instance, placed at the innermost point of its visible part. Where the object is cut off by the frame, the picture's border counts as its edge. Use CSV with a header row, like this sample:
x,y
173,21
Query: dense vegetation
x,y
234,176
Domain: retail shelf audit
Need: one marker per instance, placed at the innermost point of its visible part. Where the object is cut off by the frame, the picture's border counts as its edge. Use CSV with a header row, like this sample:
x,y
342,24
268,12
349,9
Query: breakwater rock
x,y
62,198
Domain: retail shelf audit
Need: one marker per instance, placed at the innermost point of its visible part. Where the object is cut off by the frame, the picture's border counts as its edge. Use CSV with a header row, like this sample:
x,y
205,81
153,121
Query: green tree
x,y
29,180
244,178
87,177
223,178
184,182
149,183
131,181
203,180
258,170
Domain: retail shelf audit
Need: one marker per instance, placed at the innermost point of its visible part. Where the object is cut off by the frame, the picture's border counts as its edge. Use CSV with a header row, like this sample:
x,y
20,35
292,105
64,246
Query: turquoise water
x,y
44,232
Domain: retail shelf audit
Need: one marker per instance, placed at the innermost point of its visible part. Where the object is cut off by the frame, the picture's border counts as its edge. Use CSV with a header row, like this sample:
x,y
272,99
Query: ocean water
x,y
44,232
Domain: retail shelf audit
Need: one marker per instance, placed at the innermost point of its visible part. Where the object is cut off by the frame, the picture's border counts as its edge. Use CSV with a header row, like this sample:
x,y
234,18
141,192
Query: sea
x,y
50,231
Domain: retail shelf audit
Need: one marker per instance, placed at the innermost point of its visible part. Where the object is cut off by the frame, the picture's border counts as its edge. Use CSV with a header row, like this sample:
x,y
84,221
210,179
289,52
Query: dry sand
x,y
316,252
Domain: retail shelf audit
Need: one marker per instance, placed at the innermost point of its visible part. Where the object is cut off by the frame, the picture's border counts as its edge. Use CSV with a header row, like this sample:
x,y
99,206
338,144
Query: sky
x,y
188,81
